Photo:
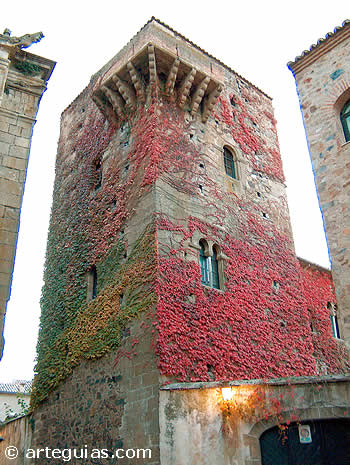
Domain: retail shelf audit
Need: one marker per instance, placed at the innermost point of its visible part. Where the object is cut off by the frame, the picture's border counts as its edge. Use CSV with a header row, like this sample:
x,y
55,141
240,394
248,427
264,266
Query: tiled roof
x,y
320,42
15,387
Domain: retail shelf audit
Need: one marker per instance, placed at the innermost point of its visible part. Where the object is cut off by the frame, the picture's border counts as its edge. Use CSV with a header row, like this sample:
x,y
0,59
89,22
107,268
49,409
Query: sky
x,y
255,38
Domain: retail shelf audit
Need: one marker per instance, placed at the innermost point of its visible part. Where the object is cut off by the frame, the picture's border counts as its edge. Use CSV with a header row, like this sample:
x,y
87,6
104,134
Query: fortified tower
x,y
322,77
23,80
170,259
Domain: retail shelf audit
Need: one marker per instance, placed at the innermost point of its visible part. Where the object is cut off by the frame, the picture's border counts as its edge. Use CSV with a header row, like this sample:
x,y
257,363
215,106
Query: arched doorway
x,y
316,442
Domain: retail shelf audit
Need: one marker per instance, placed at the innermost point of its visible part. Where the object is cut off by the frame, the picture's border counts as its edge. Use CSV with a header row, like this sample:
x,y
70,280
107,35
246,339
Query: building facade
x,y
171,272
322,77
23,80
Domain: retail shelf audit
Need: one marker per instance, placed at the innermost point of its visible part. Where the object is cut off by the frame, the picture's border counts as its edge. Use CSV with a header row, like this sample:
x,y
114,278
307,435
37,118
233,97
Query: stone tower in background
x,y
23,79
322,77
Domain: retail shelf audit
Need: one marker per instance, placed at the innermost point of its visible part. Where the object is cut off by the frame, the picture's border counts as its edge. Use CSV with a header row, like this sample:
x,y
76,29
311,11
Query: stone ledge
x,y
253,382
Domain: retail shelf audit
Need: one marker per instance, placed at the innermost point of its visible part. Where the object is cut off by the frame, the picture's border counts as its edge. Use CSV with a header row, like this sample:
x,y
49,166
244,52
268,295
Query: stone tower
x,y
23,80
322,77
170,257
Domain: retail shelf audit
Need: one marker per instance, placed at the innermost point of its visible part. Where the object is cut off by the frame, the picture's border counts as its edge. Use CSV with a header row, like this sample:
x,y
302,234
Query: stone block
x,y
16,163
15,130
11,187
4,148
5,279
4,126
5,266
2,211
6,252
8,224
12,213
22,142
6,137
18,152
8,237
9,173
10,200
4,293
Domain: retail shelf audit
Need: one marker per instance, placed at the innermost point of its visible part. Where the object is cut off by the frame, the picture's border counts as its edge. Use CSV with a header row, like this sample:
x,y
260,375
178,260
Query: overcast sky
x,y
255,38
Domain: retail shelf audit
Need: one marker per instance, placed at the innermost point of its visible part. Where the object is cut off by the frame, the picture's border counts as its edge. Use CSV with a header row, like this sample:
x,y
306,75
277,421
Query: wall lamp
x,y
226,393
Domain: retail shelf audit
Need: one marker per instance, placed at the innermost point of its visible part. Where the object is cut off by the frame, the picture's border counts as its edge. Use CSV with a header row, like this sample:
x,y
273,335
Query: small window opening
x,y
215,269
265,215
258,194
229,162
92,283
98,174
232,101
191,136
126,143
201,165
205,264
126,169
200,187
345,120
334,320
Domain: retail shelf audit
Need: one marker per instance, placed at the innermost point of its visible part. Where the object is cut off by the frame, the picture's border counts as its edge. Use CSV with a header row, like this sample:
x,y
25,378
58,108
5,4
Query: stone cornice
x,y
153,72
254,382
319,49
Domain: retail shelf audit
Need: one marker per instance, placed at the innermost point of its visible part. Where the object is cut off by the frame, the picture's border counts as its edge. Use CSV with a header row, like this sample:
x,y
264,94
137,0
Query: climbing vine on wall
x,y
258,328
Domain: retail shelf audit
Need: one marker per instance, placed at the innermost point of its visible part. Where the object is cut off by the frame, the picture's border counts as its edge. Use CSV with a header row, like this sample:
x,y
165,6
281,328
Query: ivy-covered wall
x,y
132,200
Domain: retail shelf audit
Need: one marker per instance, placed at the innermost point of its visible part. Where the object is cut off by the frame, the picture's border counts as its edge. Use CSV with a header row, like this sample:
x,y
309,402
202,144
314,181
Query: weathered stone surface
x,y
18,108
323,84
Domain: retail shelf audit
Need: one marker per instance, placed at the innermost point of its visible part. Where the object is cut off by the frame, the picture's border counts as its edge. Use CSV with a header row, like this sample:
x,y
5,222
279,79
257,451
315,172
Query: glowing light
x,y
227,393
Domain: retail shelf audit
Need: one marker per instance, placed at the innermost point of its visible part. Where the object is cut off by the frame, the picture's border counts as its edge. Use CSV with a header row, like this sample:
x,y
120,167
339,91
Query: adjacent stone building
x,y
174,306
23,79
322,77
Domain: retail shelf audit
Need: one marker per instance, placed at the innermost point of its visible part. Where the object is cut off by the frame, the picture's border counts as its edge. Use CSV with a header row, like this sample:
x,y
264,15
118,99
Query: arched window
x,y
210,266
345,120
205,263
230,165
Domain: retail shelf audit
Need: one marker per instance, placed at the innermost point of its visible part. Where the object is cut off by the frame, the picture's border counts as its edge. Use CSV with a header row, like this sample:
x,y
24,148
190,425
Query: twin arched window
x,y
209,265
230,164
345,120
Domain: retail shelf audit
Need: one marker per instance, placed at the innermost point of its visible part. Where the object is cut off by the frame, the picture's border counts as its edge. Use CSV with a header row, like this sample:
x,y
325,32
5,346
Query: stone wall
x,y
20,96
221,438
105,406
323,83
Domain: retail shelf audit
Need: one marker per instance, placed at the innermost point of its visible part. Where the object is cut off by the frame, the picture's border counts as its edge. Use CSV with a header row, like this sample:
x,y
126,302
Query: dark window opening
x,y
229,161
92,283
204,262
98,174
215,269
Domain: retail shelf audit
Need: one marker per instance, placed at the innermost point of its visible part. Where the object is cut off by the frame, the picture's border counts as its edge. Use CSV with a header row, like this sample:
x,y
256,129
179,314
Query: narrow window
x,y
98,174
229,161
215,269
334,320
335,328
345,120
92,283
205,264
